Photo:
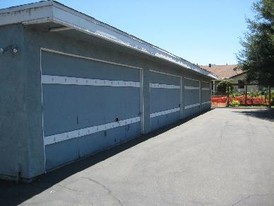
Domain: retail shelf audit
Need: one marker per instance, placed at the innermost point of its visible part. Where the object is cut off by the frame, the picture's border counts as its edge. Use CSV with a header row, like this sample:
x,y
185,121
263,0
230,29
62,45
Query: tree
x,y
257,56
225,87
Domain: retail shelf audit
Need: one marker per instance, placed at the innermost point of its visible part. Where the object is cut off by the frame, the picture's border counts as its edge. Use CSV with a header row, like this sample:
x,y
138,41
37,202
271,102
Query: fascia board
x,y
51,11
36,12
83,23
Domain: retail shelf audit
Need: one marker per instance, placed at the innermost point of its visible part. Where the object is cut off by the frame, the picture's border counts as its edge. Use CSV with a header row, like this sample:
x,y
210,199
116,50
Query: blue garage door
x,y
88,106
192,96
165,91
205,95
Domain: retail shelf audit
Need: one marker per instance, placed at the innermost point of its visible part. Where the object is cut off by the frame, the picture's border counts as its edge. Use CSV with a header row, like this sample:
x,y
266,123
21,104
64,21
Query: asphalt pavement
x,y
224,157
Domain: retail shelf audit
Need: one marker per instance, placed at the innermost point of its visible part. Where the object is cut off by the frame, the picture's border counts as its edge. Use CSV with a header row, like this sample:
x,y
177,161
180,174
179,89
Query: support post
x,y
269,97
245,94
227,96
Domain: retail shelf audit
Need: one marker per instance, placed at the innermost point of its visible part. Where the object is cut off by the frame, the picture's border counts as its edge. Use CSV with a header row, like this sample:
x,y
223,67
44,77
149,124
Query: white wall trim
x,y
191,88
65,80
208,102
163,86
192,105
88,131
156,114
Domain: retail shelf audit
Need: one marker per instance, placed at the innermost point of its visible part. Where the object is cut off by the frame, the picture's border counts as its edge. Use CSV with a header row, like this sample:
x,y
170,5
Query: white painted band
x,y
163,86
208,102
191,87
64,80
205,89
192,105
156,114
87,131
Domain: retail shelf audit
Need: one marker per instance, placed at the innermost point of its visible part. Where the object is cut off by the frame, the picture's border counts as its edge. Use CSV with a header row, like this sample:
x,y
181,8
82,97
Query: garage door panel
x,y
159,99
206,92
69,66
109,138
192,82
162,78
58,154
88,106
206,95
67,151
164,120
165,98
192,96
72,107
94,143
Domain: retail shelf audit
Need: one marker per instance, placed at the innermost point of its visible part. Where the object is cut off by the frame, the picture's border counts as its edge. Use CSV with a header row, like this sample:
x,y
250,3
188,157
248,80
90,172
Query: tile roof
x,y
223,71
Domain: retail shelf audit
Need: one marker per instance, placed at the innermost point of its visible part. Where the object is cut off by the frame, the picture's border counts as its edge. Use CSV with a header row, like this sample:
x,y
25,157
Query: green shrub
x,y
272,97
225,86
235,94
235,103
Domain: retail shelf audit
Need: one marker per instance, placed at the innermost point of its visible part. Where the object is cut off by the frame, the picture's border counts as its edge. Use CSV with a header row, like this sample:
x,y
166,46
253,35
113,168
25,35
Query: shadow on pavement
x,y
12,193
266,114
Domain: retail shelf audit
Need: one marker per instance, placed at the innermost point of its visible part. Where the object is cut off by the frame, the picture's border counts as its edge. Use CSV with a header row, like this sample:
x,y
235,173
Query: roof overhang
x,y
70,19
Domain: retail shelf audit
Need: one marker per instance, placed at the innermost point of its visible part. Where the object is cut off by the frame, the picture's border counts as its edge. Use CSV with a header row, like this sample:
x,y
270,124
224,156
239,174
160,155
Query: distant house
x,y
223,71
231,72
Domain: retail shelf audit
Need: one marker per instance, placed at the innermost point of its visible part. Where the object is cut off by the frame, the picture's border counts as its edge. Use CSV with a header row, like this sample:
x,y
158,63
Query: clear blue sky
x,y
201,31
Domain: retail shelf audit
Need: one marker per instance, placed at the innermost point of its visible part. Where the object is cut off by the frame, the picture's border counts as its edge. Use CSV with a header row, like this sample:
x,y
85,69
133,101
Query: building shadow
x,y
12,193
266,114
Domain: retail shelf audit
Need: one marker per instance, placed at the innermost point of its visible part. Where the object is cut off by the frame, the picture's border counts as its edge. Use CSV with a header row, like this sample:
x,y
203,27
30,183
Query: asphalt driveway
x,y
224,157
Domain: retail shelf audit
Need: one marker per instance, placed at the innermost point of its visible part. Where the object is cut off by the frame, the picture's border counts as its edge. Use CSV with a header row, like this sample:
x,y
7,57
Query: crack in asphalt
x,y
239,201
105,188
74,190
249,196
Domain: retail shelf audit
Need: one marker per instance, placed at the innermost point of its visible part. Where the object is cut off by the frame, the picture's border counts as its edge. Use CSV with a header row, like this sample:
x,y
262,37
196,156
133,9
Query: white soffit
x,y
52,11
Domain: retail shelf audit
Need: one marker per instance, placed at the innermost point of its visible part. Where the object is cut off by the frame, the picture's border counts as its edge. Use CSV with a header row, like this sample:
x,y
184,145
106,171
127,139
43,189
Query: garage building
x,y
71,86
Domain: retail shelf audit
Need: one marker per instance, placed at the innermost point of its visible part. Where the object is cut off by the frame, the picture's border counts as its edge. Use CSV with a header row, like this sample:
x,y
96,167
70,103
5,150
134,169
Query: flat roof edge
x,y
27,12
53,11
